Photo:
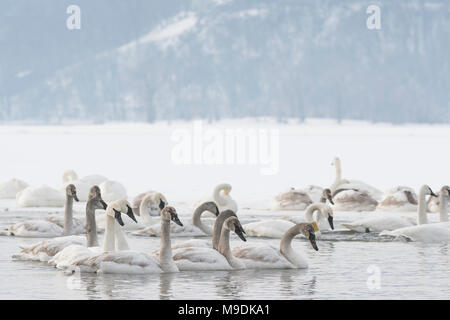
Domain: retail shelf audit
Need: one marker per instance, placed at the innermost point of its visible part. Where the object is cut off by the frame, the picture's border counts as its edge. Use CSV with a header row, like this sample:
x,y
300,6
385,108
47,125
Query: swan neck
x,y
68,215
144,211
421,209
224,249
285,243
337,165
196,219
218,224
443,205
165,251
108,241
91,226
310,211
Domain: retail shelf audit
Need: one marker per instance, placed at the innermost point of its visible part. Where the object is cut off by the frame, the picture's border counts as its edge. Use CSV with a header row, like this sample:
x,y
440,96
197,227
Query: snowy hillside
x,y
219,59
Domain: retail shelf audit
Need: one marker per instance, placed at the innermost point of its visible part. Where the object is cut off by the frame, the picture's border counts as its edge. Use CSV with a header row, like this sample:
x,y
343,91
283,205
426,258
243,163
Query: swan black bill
x,y
118,217
330,198
312,239
433,194
74,195
240,232
161,204
130,213
104,204
174,218
330,221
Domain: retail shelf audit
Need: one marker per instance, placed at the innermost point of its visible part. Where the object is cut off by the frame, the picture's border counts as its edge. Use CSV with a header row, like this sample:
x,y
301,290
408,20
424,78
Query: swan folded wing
x,y
77,227
429,233
46,249
66,258
261,257
198,258
274,228
293,197
378,224
125,262
35,229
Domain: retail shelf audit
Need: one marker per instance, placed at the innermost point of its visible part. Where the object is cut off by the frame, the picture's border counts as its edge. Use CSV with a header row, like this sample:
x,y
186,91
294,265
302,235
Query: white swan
x,y
42,196
112,191
284,257
353,195
10,188
276,228
83,185
424,232
352,184
132,261
221,196
399,199
193,229
52,226
202,258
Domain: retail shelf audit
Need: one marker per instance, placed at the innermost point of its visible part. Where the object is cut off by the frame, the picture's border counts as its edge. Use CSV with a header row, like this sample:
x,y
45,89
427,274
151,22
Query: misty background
x,y
184,59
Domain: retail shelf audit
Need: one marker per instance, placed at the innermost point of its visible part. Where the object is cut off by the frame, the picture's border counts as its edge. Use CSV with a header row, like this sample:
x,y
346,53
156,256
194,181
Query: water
x,y
339,270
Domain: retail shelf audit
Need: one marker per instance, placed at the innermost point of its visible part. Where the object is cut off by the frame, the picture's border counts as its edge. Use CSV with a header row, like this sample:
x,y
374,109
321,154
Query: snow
x,y
139,155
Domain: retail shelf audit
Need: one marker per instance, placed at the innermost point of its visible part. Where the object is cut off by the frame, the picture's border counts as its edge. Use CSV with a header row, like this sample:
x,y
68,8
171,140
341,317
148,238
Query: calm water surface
x,y
339,270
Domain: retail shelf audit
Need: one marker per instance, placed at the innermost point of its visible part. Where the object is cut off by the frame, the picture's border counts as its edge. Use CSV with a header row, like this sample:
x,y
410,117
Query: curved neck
x,y
68,215
218,224
285,243
165,251
443,203
108,240
91,226
310,211
224,249
196,221
218,197
421,209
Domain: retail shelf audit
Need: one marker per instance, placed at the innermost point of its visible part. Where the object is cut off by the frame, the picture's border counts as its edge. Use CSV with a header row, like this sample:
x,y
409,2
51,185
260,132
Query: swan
x,y
128,261
425,232
203,258
156,203
221,196
10,188
353,200
284,257
52,226
112,191
195,228
399,199
360,190
42,196
83,185
276,228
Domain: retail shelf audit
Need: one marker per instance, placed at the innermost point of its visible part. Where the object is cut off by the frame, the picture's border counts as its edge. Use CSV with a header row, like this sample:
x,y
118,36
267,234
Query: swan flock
x,y
215,238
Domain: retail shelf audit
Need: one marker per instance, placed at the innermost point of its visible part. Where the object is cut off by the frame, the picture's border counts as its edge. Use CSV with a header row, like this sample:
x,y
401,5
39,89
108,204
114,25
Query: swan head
x,y
233,224
226,188
307,229
426,190
326,194
169,213
95,198
69,175
211,207
71,192
118,208
336,162
445,191
328,213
